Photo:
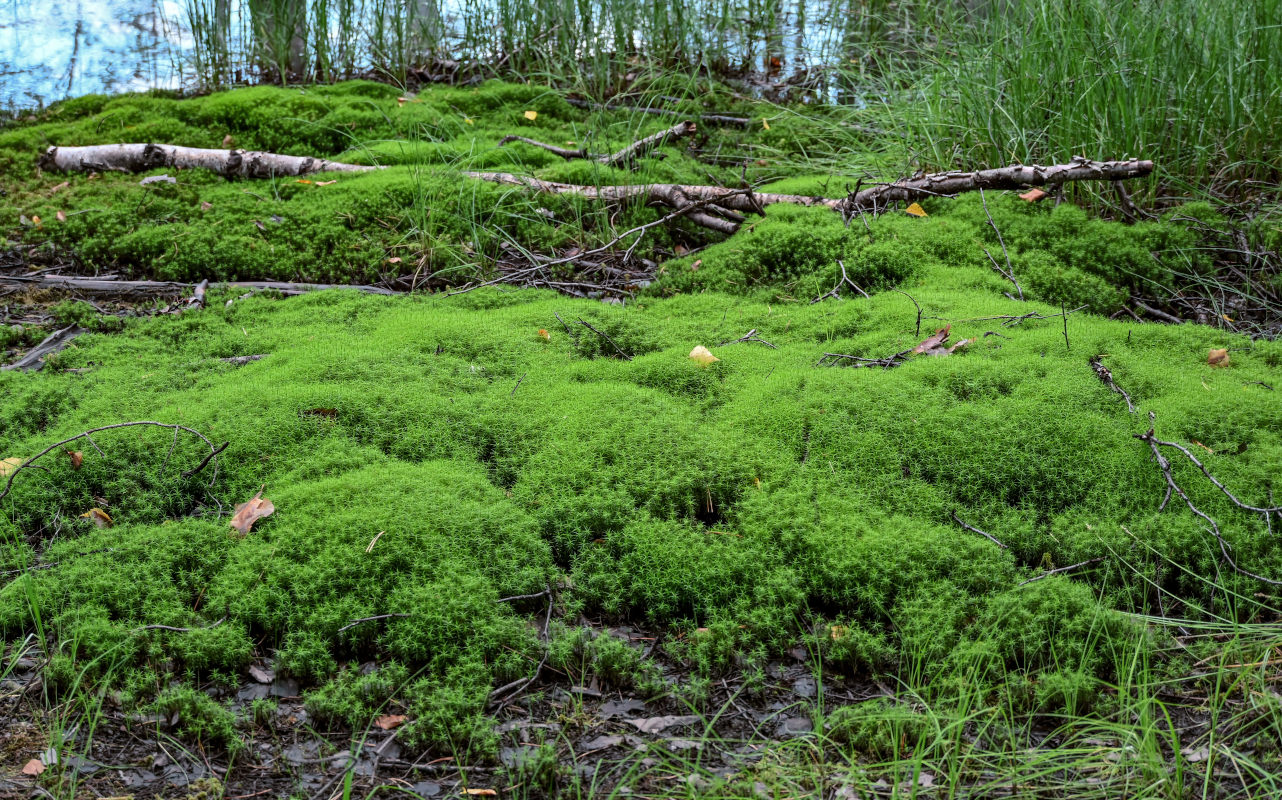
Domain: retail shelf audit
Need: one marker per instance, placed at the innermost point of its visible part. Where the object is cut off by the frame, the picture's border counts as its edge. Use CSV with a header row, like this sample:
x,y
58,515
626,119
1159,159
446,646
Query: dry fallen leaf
x,y
838,632
932,342
703,356
1199,444
304,180
698,262
1032,195
35,219
544,335
765,124
389,721
8,466
98,517
33,767
1218,358
394,260
480,793
61,215
204,206
326,183
531,115
249,513
77,458
227,140
916,210
59,187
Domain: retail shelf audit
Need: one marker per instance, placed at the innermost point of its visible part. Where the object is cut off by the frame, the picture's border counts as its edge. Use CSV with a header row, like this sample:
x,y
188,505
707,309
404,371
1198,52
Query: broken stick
x,y
230,163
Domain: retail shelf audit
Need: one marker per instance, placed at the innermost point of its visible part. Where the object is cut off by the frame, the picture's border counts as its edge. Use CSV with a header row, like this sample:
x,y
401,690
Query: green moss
x,y
878,729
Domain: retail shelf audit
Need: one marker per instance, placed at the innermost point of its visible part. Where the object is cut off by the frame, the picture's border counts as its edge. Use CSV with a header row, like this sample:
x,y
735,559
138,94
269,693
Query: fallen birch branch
x,y
143,157
148,290
874,198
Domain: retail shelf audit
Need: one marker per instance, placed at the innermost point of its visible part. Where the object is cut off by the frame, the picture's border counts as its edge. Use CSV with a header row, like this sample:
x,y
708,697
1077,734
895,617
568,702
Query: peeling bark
x,y
143,157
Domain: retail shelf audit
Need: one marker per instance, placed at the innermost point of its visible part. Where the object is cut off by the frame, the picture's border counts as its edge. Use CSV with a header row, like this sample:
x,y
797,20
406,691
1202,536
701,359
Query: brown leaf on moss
x,y
1032,195
98,517
249,513
389,721
77,458
8,466
1218,358
33,767
932,342
544,335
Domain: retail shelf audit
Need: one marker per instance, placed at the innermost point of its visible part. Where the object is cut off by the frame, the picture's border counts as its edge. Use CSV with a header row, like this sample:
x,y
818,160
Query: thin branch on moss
x,y
885,362
835,292
750,336
1061,570
516,597
1171,486
29,463
1011,320
374,618
627,155
1107,377
1162,315
518,384
514,689
973,529
178,630
1009,272
204,462
605,336
916,332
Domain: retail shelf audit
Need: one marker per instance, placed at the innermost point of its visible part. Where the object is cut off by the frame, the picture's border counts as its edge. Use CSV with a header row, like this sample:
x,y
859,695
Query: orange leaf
x,y
1032,195
1218,358
838,632
389,721
33,767
931,342
543,333
98,517
249,513
77,458
916,210
303,180
36,219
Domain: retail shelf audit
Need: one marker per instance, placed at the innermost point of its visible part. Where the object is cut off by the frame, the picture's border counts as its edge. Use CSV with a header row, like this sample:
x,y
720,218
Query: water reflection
x,y
52,50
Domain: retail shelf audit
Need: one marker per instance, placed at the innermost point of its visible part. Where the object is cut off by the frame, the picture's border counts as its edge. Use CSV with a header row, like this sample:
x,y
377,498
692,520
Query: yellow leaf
x,y
765,124
302,180
531,115
543,332
838,632
8,466
36,219
703,356
1225,317
1218,358
916,210
98,517
468,120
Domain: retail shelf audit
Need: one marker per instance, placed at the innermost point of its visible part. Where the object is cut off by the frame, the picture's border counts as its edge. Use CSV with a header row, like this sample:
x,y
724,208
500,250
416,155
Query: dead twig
x,y
1162,315
1171,486
835,292
1009,272
363,620
750,336
885,362
177,630
29,463
510,691
626,155
605,336
973,529
1107,377
1061,570
916,332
